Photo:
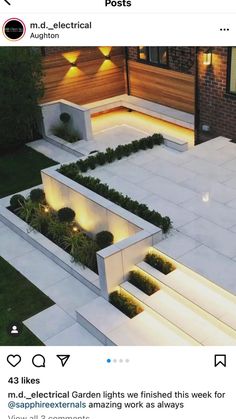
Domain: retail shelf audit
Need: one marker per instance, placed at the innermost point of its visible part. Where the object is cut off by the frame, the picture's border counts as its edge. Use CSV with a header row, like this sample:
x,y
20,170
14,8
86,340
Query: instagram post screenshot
x,y
117,209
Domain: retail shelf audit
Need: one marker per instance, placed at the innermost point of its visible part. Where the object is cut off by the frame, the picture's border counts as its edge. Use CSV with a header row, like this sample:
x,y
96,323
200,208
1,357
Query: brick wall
x,y
181,59
216,107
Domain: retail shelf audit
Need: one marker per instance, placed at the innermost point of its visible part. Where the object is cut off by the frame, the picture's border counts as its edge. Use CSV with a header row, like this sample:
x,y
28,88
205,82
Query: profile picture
x,y
14,29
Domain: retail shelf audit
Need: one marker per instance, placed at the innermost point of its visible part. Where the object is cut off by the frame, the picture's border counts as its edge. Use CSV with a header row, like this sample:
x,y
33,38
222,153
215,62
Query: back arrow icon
x,y
6,1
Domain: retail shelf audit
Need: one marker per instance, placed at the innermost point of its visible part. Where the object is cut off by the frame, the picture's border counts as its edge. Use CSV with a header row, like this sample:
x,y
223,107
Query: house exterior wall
x,y
173,86
215,107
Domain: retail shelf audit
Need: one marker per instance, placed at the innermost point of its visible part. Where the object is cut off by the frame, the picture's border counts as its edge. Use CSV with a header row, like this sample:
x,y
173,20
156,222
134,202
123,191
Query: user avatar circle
x,y
14,29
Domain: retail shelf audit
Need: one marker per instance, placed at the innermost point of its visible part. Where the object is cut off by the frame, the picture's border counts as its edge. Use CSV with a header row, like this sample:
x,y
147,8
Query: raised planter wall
x,y
132,235
80,117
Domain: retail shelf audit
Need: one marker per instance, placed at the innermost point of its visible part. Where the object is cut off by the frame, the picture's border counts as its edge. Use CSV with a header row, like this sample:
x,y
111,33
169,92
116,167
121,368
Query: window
x,y
154,55
232,71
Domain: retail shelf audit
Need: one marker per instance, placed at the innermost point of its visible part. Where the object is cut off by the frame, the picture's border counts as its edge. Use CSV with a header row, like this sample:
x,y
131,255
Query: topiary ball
x,y
66,215
104,239
16,201
37,195
65,117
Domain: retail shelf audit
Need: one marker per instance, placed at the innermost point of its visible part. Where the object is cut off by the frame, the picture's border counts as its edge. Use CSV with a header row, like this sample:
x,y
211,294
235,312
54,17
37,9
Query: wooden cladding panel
x,y
94,78
167,87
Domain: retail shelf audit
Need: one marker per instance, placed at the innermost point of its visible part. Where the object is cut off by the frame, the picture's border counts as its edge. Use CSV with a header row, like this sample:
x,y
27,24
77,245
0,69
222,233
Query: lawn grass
x,y
19,300
20,170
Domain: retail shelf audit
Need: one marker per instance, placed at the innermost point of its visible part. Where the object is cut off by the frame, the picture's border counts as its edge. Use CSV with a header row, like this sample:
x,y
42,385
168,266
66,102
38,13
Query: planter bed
x,y
60,227
159,263
125,303
51,250
143,282
141,210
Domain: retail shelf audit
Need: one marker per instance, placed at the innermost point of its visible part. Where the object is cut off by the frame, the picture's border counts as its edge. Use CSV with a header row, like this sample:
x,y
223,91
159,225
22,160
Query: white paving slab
x,y
49,322
41,270
167,189
128,170
178,215
70,294
212,265
217,191
213,236
220,214
203,167
127,188
74,335
169,170
177,244
53,152
13,246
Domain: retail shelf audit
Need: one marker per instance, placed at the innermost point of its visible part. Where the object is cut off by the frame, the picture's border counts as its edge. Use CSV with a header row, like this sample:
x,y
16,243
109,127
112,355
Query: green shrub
x,y
66,132
166,224
57,232
66,215
27,210
124,303
40,220
82,249
110,155
16,201
159,263
157,139
37,195
104,239
91,162
21,87
135,146
86,255
100,158
143,282
73,242
65,117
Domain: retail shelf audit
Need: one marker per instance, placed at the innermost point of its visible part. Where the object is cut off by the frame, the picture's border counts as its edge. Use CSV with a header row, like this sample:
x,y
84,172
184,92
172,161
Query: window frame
x,y
147,60
229,63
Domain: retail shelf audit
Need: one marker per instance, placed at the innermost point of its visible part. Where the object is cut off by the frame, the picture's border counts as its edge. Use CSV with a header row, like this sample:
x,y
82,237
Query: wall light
x,y
71,57
207,57
106,52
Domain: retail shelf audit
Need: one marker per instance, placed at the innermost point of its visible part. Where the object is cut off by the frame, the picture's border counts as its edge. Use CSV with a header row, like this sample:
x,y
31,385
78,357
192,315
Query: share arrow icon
x,y
63,359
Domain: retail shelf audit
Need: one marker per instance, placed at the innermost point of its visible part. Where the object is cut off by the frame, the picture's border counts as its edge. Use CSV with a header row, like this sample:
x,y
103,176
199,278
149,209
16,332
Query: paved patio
x,y
197,189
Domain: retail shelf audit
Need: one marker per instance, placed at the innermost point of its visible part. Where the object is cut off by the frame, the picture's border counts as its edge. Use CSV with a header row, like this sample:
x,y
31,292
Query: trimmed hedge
x,y
143,282
124,303
95,185
110,155
159,263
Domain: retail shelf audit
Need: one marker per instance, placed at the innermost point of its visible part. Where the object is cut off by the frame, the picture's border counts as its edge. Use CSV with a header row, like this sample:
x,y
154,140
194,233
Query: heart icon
x,y
14,360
